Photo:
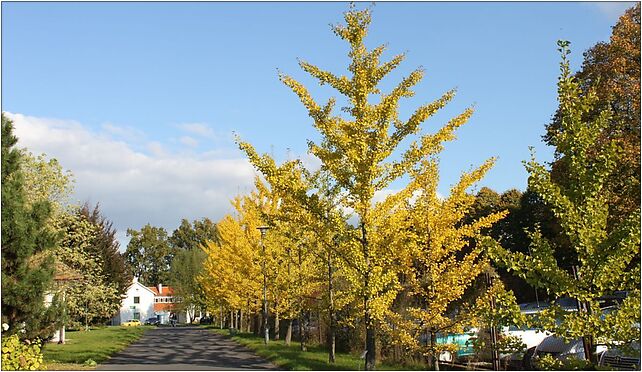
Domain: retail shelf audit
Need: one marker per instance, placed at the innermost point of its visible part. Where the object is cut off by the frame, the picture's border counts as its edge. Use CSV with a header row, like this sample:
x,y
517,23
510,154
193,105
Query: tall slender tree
x,y
606,256
106,247
611,72
358,155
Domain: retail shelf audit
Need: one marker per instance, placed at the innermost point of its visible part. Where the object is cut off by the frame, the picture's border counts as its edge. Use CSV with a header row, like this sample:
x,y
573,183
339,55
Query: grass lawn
x,y
82,346
292,358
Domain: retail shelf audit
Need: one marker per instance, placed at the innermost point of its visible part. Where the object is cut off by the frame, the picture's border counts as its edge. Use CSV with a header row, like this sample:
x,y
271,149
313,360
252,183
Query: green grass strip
x,y
314,359
98,345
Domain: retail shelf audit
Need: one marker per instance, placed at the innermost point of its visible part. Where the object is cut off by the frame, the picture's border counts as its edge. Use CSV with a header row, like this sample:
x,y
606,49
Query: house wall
x,y
128,309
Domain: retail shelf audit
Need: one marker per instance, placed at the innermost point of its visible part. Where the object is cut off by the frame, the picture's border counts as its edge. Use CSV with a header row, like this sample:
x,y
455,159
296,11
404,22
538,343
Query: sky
x,y
142,101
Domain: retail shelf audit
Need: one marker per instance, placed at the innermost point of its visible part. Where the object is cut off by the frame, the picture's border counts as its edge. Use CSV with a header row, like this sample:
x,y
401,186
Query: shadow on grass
x,y
97,344
315,358
291,357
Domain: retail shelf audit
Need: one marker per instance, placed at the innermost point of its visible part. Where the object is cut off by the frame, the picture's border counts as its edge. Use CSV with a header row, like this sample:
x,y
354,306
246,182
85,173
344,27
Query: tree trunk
x,y
232,319
370,343
288,333
320,334
221,321
241,320
331,329
276,326
434,355
332,341
302,332
371,347
256,328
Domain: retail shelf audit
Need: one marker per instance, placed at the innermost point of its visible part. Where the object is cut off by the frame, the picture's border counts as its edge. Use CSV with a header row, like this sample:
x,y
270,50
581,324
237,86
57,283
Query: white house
x,y
143,302
138,304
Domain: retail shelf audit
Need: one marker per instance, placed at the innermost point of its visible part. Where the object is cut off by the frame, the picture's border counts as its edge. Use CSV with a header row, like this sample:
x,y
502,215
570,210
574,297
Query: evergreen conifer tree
x,y
27,269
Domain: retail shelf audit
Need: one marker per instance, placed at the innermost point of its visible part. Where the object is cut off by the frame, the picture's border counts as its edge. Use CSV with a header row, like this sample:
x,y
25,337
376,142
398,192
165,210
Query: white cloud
x,y
157,149
125,132
612,9
134,188
188,141
200,129
381,195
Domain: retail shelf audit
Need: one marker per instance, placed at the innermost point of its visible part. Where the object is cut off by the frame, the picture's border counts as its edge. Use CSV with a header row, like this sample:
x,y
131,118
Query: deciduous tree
x,y
607,257
149,254
432,243
611,72
357,154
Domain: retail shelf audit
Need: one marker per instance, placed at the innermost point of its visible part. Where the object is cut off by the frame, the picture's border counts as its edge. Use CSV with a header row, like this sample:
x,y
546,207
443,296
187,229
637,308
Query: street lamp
x,y
263,230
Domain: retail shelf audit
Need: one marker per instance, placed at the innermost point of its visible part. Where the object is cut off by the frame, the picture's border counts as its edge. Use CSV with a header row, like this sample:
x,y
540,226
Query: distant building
x,y
143,302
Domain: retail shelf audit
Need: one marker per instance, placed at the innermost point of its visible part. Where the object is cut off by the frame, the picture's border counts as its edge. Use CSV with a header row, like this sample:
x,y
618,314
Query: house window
x,y
137,316
136,300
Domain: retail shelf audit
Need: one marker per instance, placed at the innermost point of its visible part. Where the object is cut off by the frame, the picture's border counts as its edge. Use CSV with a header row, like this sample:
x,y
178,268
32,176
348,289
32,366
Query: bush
x,y
18,355
548,363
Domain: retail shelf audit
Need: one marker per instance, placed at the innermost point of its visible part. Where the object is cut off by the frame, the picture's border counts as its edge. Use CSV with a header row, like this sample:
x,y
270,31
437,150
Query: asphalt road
x,y
185,348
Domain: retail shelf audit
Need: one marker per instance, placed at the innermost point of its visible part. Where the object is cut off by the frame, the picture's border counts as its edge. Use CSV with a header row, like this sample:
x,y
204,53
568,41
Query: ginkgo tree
x,y
232,275
360,155
607,257
242,262
433,246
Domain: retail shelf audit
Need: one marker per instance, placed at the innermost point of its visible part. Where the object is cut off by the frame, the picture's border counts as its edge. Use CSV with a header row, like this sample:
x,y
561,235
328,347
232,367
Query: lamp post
x,y
493,326
263,230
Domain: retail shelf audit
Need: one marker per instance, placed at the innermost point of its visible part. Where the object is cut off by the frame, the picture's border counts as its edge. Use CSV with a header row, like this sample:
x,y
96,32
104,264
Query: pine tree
x,y
25,236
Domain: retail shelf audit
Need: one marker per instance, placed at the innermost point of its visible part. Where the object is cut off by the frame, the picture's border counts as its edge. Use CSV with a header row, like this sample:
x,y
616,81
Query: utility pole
x,y
266,330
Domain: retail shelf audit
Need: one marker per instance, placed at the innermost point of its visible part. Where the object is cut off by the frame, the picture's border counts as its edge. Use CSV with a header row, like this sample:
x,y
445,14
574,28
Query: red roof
x,y
167,291
163,306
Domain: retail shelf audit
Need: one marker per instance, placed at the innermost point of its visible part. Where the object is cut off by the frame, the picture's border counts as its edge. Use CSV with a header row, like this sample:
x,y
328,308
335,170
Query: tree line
x,y
418,264
61,262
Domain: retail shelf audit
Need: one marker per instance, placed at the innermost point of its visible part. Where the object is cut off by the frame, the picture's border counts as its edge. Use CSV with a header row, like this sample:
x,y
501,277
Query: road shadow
x,y
187,347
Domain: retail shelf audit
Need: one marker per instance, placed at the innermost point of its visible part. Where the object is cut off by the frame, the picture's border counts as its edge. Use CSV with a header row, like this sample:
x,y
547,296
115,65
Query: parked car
x,y
152,321
206,320
617,358
531,336
559,349
131,323
461,340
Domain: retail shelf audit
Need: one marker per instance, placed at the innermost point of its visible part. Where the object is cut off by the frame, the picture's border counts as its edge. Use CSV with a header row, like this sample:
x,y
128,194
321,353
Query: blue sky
x,y
140,100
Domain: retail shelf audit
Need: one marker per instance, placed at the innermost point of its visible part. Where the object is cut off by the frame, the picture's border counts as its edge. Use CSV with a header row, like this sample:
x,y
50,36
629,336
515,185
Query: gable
x,y
141,289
